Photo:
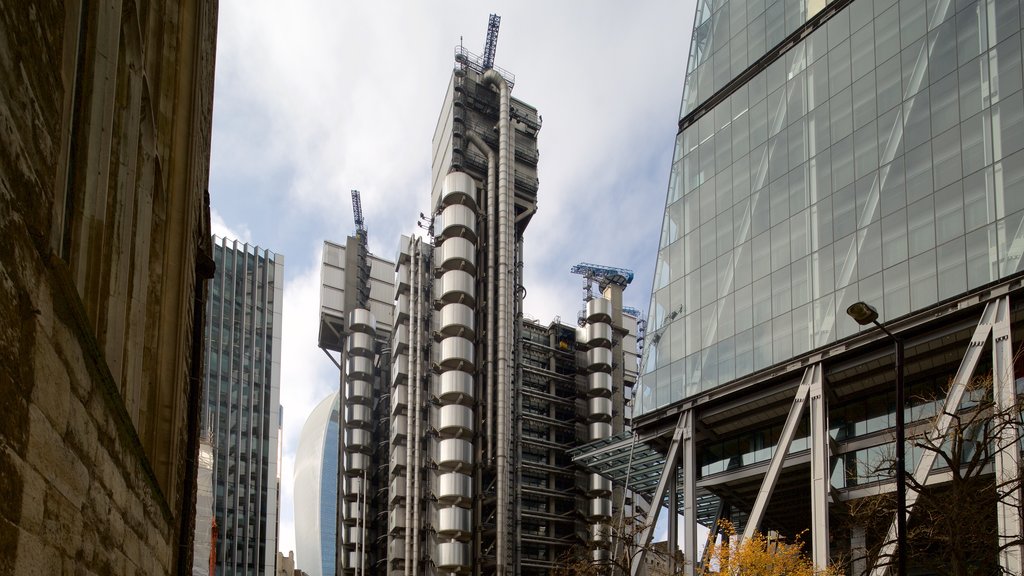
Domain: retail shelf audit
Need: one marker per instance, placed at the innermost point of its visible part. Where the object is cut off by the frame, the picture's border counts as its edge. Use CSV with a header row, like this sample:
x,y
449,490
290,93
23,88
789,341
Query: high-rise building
x,y
457,413
242,406
830,153
316,489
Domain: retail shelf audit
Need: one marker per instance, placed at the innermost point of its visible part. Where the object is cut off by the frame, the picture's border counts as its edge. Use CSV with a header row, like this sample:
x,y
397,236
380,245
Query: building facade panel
x,y
876,160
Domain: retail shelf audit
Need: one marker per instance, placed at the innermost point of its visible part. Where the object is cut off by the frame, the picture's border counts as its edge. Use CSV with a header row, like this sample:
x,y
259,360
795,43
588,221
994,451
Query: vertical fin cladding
x,y
400,480
457,365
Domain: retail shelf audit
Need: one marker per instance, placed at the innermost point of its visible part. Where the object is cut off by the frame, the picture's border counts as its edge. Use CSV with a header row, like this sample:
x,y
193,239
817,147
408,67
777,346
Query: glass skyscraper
x,y
830,153
242,405
316,489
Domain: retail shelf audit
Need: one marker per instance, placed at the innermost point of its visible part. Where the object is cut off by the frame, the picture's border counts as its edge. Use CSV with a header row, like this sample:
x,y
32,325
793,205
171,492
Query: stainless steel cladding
x,y
399,399
400,340
599,430
354,535
358,415
355,560
399,369
399,460
455,488
399,425
600,384
453,556
355,463
352,486
401,279
456,221
359,440
599,359
599,334
359,344
458,188
454,454
600,409
457,254
396,520
351,512
396,490
455,421
599,310
456,354
601,533
362,320
401,308
455,387
458,286
458,320
600,555
599,486
455,522
600,509
360,367
360,391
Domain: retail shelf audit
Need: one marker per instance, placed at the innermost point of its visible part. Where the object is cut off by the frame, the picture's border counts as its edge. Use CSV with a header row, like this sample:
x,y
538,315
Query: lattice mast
x,y
491,43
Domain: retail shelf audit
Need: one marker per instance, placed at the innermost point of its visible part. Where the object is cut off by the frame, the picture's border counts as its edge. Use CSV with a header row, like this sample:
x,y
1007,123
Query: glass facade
x,y
316,490
879,158
242,404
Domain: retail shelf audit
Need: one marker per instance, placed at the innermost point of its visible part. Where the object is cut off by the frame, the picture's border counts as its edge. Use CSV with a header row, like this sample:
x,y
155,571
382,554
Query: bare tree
x,y
952,528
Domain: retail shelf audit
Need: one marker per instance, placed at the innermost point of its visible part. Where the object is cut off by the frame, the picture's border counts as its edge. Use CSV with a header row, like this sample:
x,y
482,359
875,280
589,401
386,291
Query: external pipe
x,y
492,167
420,326
494,78
413,283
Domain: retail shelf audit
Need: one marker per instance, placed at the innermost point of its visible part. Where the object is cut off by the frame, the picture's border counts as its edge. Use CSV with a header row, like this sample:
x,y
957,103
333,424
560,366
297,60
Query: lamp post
x,y
864,314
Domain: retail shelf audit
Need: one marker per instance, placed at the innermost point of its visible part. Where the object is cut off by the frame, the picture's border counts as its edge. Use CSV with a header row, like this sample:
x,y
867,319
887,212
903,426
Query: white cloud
x,y
307,376
221,228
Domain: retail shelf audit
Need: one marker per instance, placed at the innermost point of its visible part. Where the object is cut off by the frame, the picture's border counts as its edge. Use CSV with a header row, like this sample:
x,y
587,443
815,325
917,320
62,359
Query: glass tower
x,y
242,406
829,153
316,489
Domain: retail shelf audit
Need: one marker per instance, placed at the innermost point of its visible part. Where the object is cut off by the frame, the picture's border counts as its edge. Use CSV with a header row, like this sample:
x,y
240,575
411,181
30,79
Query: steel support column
x,y
685,422
936,436
1007,459
689,466
820,473
796,411
673,516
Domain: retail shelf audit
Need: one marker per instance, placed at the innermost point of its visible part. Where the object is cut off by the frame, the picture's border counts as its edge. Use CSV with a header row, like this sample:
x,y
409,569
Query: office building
x,y
105,260
242,404
830,153
457,412
316,489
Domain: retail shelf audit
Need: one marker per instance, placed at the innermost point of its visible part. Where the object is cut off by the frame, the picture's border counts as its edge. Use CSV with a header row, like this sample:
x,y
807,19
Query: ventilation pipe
x,y
492,167
410,419
494,78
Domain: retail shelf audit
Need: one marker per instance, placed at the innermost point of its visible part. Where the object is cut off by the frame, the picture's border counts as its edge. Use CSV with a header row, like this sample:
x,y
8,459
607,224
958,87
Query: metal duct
x,y
599,384
455,488
456,221
360,391
454,522
456,421
599,334
457,320
362,320
457,254
492,167
458,286
599,359
492,77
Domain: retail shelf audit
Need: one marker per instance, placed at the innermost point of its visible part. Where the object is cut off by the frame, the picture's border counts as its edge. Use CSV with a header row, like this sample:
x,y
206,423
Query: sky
x,y
314,98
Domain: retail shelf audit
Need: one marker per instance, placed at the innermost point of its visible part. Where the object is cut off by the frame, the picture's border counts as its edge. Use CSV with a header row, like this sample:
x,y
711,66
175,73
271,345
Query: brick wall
x,y
105,112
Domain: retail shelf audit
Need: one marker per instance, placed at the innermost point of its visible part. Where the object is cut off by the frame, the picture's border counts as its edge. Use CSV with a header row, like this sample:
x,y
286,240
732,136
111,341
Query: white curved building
x,y
316,490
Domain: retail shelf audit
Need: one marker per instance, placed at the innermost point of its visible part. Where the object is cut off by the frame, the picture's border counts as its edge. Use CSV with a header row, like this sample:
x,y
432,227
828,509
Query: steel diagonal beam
x,y
1007,460
796,411
685,422
820,461
952,404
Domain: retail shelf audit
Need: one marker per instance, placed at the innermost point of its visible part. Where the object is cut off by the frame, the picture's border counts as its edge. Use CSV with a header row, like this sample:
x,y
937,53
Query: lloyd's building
x,y
828,154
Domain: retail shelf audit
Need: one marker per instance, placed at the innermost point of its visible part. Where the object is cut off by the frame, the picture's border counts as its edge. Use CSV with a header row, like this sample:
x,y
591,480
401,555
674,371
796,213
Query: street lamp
x,y
863,314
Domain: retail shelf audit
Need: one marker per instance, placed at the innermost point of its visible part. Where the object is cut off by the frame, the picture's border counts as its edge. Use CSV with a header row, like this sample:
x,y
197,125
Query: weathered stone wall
x,y
105,115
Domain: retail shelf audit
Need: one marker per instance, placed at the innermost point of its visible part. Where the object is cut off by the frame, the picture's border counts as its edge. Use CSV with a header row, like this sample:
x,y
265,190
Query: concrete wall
x,y
105,118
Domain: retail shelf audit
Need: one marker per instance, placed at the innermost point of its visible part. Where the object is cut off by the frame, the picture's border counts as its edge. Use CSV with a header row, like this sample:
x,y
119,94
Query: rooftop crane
x,y
363,262
604,275
491,44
